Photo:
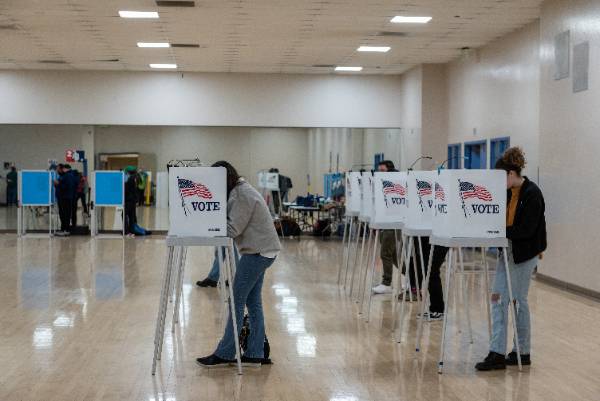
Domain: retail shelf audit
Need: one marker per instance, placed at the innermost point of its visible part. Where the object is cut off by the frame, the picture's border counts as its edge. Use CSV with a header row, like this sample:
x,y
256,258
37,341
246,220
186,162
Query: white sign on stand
x,y
268,180
197,201
353,193
420,199
390,195
470,204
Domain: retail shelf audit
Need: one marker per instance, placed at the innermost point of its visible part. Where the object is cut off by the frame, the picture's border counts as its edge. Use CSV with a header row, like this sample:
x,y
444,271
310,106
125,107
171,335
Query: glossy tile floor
x,y
77,323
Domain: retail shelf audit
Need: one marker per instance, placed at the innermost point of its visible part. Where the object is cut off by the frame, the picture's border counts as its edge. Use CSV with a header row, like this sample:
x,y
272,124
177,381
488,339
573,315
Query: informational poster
x,y
420,199
390,197
198,201
470,204
353,193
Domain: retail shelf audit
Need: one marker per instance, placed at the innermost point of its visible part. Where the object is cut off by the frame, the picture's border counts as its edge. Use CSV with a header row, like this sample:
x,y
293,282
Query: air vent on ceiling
x,y
52,62
187,45
175,3
323,65
391,33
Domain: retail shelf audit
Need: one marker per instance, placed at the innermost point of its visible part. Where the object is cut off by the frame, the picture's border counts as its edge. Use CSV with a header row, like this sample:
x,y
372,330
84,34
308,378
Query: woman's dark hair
x,y
232,175
388,164
513,159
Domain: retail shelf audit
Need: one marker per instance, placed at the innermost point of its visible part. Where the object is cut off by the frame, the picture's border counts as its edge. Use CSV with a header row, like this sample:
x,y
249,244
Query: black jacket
x,y
528,232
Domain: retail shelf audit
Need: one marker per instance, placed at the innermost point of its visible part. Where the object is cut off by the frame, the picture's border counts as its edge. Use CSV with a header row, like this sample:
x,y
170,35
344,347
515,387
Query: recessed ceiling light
x,y
379,49
163,66
342,68
399,19
138,14
152,44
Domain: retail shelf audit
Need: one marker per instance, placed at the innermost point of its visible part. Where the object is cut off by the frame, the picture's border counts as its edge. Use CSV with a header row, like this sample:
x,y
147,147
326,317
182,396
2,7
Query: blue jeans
x,y
213,274
520,278
247,287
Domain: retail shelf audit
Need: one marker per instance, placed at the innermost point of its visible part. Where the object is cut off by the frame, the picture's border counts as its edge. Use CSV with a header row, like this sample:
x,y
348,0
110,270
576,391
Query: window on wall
x,y
497,148
476,155
454,157
377,159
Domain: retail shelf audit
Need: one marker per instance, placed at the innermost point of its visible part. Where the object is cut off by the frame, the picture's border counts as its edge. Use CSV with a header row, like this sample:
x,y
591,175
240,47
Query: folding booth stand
x,y
35,188
388,213
470,211
364,218
108,190
197,217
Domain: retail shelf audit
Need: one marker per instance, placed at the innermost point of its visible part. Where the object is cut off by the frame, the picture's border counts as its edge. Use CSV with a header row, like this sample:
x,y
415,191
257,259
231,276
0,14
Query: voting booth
x,y
470,204
351,230
390,199
420,200
108,190
353,193
366,196
198,201
197,217
35,188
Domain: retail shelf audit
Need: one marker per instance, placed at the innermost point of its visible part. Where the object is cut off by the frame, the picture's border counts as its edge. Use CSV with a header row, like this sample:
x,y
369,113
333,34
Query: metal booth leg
x,y
409,251
364,274
465,294
373,260
162,309
179,288
348,251
398,286
425,304
449,275
343,258
227,270
355,259
360,263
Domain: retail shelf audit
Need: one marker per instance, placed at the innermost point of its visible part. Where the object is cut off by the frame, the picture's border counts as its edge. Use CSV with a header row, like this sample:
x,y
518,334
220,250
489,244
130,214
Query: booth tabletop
x,y
469,242
416,232
387,226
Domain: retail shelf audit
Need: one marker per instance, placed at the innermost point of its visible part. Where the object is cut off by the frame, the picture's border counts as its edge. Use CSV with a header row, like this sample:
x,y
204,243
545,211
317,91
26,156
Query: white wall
x,y
195,99
569,146
30,146
496,93
248,149
434,112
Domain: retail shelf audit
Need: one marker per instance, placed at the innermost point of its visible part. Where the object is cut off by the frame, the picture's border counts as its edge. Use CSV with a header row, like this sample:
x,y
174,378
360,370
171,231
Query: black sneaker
x,y
493,361
206,283
251,362
511,359
213,361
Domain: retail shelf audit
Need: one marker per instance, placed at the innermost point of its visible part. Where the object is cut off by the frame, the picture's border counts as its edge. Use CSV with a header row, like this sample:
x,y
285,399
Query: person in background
x,y
142,181
131,199
11,186
526,233
250,225
213,275
388,245
82,189
65,189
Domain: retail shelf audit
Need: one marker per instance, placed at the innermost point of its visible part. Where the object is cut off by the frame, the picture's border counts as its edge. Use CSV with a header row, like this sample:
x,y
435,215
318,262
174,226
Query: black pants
x,y
436,292
81,195
141,197
65,207
130,218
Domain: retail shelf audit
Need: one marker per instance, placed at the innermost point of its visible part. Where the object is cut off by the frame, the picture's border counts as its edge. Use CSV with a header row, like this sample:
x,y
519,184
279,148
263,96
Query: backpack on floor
x,y
245,333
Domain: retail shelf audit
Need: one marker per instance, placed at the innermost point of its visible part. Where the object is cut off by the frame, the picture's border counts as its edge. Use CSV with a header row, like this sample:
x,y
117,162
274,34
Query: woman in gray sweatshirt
x,y
250,224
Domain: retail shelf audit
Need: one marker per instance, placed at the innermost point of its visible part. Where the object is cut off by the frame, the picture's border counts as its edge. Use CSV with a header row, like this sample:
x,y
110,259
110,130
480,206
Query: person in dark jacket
x,y
526,231
131,199
65,194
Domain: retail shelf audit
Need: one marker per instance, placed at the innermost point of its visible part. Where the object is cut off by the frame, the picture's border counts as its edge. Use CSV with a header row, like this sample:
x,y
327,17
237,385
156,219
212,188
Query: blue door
x,y
377,159
476,155
497,148
454,157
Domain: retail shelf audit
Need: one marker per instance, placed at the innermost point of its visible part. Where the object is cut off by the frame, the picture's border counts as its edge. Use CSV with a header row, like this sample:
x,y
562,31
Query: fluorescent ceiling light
x,y
163,66
138,14
150,44
399,19
341,68
379,49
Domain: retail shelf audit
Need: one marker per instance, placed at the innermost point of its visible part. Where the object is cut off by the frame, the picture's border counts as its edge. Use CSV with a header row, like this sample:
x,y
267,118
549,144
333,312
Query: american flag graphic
x,y
423,188
390,187
468,190
439,192
190,188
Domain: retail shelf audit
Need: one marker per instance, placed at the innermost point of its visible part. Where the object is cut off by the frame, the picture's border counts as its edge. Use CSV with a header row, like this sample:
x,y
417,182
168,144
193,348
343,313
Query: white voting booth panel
x,y
353,193
470,204
268,181
197,201
420,199
366,196
390,195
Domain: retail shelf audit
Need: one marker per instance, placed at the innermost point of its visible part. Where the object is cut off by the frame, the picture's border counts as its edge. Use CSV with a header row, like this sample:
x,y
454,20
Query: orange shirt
x,y
512,206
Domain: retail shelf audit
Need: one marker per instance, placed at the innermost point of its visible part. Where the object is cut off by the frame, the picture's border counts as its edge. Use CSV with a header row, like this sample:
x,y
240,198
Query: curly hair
x,y
513,159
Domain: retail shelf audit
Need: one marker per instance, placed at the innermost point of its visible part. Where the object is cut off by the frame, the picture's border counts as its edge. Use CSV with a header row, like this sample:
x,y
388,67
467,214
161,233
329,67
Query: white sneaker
x,y
382,289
